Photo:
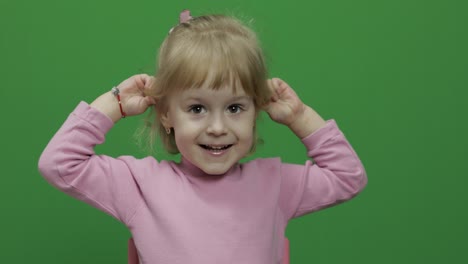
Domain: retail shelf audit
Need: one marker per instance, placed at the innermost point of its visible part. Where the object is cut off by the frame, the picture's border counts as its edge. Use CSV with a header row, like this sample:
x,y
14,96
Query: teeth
x,y
218,147
215,147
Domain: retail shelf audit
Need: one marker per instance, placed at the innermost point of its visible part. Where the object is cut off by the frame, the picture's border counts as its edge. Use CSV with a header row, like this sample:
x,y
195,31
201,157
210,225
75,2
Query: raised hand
x,y
133,94
286,108
132,97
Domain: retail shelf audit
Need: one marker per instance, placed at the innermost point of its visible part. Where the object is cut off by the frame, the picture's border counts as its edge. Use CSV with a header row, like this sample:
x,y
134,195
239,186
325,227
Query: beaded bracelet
x,y
116,92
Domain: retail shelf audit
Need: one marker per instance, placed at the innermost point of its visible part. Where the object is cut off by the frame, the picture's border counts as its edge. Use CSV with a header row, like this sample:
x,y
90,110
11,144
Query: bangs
x,y
213,61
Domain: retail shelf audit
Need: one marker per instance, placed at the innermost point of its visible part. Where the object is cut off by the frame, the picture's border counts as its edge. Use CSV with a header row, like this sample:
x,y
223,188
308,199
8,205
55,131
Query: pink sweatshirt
x,y
179,215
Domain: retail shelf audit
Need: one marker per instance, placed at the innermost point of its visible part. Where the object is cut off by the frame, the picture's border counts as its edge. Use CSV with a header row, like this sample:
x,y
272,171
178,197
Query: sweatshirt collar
x,y
193,171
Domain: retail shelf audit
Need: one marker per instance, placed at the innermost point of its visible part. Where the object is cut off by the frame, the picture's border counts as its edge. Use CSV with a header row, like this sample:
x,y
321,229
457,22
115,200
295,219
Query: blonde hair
x,y
211,51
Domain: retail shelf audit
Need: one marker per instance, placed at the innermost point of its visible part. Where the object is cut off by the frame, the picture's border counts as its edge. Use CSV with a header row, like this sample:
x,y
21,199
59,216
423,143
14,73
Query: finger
x,y
279,84
274,94
142,76
150,81
139,81
145,78
149,86
283,89
150,100
142,81
267,107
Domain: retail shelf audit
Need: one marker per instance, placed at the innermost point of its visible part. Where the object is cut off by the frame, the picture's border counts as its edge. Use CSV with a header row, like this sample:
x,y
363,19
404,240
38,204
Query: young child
x,y
210,86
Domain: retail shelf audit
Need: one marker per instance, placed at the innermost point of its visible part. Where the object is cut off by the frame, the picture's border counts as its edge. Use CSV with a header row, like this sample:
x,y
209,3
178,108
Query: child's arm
x,y
337,175
70,163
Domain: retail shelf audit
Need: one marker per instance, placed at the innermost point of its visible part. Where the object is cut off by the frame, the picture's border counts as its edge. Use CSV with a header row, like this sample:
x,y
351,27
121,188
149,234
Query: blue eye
x,y
235,108
196,109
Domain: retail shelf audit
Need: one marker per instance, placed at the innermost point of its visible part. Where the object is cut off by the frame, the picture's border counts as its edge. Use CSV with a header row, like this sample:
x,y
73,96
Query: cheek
x,y
182,141
186,132
245,128
188,127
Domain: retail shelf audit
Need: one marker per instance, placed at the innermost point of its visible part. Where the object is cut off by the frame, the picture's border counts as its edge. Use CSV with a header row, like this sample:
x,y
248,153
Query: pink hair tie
x,y
184,17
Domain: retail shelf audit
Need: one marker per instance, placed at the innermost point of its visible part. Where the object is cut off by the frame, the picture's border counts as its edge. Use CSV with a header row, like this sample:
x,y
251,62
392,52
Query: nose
x,y
217,125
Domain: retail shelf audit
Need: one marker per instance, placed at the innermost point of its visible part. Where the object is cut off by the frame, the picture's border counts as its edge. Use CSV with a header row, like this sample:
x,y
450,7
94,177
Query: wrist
x,y
108,105
306,123
116,92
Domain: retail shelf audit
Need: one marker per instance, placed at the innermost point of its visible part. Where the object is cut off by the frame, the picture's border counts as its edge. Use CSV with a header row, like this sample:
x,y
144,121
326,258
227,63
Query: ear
x,y
166,120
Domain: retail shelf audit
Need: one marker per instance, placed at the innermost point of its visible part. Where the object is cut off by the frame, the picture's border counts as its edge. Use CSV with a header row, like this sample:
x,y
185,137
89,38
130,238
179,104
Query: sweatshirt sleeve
x,y
70,164
335,175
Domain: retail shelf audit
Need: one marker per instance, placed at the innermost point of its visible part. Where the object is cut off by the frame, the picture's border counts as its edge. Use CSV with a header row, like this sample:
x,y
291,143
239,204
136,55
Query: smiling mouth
x,y
215,148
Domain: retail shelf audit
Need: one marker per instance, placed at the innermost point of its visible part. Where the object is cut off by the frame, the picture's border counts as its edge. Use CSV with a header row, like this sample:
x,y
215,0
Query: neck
x,y
191,170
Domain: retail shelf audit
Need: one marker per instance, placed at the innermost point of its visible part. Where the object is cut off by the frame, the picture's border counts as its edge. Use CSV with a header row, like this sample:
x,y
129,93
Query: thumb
x,y
150,100
277,86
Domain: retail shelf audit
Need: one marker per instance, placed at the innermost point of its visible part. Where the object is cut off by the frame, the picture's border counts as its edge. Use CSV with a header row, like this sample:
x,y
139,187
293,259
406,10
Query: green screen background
x,y
393,74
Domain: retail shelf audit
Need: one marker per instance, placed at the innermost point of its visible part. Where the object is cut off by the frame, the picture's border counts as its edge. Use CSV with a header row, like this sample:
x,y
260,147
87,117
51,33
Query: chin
x,y
216,170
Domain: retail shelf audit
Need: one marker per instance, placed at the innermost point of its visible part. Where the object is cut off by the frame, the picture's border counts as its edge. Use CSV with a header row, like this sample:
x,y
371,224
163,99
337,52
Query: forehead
x,y
222,93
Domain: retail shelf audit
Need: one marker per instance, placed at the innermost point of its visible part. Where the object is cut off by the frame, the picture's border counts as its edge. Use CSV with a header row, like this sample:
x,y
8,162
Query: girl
x,y
208,208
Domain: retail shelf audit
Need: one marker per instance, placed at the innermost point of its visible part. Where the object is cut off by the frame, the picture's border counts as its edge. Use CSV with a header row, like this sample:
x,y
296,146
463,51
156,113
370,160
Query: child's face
x,y
213,129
